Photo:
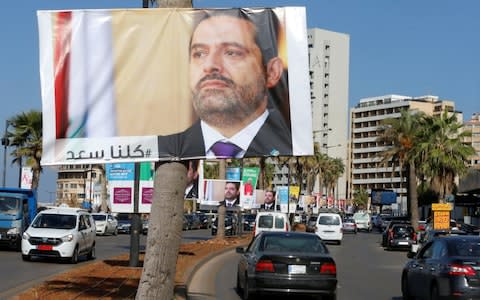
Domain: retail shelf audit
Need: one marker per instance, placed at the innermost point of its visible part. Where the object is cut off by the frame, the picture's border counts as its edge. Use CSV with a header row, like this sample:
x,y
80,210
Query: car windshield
x,y
329,220
99,217
293,244
55,221
465,248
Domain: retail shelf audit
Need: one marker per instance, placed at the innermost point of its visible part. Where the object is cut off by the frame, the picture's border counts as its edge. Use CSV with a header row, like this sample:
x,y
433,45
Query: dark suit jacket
x,y
274,138
262,206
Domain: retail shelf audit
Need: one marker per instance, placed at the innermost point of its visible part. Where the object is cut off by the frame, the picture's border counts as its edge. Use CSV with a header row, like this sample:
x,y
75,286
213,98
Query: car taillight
x,y
328,268
264,266
414,236
460,270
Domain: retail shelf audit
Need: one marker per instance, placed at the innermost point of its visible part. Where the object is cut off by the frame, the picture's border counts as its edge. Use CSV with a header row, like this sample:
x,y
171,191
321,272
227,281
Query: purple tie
x,y
221,149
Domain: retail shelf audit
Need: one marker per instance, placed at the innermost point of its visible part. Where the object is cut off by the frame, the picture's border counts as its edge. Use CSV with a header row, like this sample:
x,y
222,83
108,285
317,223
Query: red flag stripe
x,y
62,65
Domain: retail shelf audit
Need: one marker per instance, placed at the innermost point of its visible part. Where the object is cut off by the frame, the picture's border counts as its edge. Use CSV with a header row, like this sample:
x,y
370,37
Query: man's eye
x,y
198,54
233,53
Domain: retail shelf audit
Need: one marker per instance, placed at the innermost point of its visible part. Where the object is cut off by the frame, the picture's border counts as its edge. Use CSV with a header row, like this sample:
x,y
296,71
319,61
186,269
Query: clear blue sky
x,y
406,47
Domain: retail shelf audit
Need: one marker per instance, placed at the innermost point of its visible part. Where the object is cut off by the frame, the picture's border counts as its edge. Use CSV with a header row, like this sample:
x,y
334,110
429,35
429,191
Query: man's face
x,y
269,198
227,77
231,191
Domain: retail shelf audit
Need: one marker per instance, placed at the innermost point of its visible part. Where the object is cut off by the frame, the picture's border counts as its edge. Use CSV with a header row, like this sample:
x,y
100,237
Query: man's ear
x,y
274,71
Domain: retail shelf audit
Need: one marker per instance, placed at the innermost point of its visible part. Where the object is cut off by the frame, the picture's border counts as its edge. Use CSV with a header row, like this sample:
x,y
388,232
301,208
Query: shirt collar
x,y
242,138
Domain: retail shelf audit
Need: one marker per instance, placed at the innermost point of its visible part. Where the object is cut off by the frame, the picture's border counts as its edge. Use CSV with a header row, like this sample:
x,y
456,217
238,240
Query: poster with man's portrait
x,y
133,85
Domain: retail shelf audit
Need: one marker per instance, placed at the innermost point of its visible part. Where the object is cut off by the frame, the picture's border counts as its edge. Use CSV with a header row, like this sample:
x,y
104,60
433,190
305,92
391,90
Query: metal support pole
x,y
5,143
136,224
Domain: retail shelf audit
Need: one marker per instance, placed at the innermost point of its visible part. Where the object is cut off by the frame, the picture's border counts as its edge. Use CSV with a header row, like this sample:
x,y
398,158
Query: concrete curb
x,y
181,290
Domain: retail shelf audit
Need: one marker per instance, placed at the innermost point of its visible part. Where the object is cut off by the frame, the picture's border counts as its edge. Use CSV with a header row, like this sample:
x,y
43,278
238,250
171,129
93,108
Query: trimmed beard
x,y
230,106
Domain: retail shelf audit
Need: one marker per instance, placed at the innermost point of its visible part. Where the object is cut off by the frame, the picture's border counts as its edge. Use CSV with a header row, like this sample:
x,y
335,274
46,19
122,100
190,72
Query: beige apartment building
x,y
366,171
473,125
77,184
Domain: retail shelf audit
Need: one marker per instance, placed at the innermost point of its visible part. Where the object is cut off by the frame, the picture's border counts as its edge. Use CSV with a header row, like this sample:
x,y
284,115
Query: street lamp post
x,y
5,143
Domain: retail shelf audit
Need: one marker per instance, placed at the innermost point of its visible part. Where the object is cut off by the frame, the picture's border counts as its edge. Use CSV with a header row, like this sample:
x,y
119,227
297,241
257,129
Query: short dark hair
x,y
265,21
237,184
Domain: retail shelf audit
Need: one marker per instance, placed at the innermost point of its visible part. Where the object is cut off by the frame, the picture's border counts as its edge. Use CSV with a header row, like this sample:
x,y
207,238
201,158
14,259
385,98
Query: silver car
x,y
105,223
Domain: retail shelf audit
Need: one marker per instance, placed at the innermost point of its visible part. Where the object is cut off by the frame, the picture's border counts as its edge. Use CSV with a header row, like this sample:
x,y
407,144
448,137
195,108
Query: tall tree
x,y
400,135
442,152
165,224
26,137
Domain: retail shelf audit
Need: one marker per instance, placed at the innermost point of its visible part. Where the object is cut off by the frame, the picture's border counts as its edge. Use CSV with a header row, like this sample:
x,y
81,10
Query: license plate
x,y
44,247
403,243
297,269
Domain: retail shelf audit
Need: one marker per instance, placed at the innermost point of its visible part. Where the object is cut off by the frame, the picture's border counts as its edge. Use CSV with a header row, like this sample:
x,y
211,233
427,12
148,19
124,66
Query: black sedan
x,y
286,263
444,268
401,236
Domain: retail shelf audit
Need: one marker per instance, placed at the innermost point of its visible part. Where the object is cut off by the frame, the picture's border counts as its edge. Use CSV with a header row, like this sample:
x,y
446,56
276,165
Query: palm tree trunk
x,y
165,223
412,191
164,233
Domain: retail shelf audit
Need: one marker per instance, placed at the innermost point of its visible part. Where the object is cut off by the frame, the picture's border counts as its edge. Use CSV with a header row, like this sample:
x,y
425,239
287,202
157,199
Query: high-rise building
x,y
329,74
367,172
473,125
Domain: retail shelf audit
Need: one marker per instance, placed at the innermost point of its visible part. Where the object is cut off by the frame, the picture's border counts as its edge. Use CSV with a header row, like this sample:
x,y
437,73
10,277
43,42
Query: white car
x,y
105,223
329,227
271,221
63,233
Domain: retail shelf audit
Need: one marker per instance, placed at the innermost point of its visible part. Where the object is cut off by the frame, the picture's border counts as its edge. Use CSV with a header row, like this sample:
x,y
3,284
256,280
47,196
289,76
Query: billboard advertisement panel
x,y
170,84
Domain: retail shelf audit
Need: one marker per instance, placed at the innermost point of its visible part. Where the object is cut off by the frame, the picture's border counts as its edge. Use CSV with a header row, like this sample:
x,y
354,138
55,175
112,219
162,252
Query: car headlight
x,y
25,236
67,238
13,231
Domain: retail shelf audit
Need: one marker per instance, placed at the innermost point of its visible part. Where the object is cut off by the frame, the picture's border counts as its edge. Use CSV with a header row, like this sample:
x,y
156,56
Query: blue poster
x,y
120,171
282,194
233,173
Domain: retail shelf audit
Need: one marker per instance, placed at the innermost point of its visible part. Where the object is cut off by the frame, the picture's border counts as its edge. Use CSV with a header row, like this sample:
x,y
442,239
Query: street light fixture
x,y
5,143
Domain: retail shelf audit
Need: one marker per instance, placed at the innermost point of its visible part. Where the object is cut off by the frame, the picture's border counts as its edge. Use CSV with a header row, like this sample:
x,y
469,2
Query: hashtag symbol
x,y
148,153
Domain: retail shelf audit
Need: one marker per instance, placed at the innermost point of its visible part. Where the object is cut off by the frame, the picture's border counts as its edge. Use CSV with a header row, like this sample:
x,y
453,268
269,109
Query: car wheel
x,y
74,258
405,293
26,257
339,242
434,292
115,232
239,286
246,291
91,254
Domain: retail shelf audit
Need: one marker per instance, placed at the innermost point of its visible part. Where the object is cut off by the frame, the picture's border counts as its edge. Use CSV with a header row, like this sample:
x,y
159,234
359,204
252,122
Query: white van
x,y
329,227
363,220
271,221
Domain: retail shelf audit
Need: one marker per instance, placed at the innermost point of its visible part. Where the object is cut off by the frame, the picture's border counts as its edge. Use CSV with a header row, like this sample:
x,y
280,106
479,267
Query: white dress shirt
x,y
242,138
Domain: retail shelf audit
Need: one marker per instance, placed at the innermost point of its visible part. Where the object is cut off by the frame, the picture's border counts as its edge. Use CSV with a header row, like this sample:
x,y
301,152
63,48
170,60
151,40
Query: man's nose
x,y
213,62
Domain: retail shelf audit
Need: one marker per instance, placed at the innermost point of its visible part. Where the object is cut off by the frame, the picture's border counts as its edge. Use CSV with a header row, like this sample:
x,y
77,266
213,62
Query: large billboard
x,y
167,84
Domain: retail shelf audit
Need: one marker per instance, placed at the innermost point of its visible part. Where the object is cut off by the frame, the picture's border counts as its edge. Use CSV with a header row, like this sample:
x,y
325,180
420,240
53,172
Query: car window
x,y
279,222
329,220
427,251
465,247
55,221
265,222
99,217
438,250
293,244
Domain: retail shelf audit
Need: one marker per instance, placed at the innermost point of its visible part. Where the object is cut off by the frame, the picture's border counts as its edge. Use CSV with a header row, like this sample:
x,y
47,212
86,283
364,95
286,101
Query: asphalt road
x,y
17,275
364,271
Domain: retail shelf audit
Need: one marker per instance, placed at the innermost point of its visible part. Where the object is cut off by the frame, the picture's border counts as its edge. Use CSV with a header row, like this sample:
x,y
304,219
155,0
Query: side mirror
x,y
82,227
240,250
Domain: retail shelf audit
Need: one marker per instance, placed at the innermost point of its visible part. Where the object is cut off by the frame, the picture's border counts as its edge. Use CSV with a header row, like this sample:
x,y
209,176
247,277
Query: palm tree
x,y
400,135
26,137
442,152
166,218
